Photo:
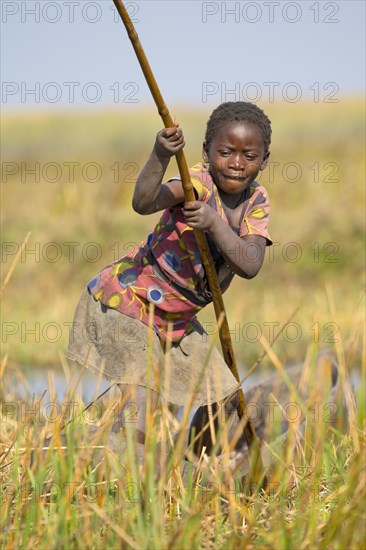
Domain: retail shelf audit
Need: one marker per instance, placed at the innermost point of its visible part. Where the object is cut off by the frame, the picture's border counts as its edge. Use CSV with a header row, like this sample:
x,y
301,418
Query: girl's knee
x,y
203,423
231,405
136,404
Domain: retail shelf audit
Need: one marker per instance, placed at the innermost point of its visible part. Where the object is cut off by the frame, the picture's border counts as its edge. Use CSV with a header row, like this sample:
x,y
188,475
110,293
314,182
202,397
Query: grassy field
x,y
67,178
83,492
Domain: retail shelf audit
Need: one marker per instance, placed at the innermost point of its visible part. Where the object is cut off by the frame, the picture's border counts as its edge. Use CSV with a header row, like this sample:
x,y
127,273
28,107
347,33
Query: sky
x,y
75,54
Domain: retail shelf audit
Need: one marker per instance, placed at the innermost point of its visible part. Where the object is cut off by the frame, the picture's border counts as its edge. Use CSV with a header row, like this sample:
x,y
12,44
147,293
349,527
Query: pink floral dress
x,y
166,270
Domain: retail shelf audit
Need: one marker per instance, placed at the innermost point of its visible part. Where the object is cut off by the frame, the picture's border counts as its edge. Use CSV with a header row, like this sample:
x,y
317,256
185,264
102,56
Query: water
x,y
33,381
24,383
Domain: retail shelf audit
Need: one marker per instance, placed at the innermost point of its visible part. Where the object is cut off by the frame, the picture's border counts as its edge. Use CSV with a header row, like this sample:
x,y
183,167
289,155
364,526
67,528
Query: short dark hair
x,y
239,111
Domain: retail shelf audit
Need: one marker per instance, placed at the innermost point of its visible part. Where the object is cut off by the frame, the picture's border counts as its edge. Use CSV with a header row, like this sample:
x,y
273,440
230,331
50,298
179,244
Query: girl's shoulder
x,y
258,193
256,187
201,181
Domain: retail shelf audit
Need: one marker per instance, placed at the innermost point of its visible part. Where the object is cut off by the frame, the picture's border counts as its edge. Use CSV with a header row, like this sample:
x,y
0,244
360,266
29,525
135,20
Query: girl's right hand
x,y
169,141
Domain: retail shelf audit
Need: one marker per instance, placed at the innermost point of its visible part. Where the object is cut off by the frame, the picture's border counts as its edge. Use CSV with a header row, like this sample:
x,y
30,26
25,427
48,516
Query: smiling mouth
x,y
236,178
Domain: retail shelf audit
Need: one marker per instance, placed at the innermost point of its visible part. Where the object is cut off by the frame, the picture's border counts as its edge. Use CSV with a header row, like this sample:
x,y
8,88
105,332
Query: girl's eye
x,y
224,153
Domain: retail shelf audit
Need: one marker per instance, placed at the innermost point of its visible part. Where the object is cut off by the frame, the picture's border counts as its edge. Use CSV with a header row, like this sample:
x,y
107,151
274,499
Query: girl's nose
x,y
237,163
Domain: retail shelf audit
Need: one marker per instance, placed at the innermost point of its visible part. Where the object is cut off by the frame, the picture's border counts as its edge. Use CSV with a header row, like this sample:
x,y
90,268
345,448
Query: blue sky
x,y
77,54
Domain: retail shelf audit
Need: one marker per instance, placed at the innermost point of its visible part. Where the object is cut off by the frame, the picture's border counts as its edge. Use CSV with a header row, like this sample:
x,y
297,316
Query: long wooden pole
x,y
207,260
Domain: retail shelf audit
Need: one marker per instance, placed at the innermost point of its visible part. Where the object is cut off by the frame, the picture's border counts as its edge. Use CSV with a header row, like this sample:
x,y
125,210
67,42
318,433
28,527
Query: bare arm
x,y
150,194
244,255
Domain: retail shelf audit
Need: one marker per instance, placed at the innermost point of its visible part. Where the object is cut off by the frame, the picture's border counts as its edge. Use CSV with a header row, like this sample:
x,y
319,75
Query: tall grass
x,y
94,489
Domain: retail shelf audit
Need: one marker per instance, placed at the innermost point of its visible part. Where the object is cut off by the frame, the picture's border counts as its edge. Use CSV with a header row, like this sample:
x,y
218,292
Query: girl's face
x,y
235,155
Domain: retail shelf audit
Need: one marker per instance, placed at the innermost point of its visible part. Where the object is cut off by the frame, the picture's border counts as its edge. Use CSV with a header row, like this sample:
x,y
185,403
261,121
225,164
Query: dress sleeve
x,y
201,182
255,221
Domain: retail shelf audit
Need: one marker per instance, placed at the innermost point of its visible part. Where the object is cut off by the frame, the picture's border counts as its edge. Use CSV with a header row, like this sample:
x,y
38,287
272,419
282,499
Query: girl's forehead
x,y
238,129
231,125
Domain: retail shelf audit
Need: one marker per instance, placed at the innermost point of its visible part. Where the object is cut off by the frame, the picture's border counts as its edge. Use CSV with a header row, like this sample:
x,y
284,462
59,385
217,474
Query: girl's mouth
x,y
236,178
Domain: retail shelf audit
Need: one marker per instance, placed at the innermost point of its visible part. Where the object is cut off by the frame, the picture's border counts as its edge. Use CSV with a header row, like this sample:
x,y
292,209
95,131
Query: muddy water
x,y
33,381
30,382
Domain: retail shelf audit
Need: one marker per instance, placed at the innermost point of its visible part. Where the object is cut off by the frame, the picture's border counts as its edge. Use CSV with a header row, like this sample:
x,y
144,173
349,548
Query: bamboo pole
x,y
207,260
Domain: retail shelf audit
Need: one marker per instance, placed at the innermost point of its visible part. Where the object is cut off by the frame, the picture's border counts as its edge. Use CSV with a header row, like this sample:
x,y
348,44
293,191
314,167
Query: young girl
x,y
111,325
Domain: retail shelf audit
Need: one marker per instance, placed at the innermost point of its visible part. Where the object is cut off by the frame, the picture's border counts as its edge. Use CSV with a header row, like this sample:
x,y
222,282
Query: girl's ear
x,y
205,152
265,161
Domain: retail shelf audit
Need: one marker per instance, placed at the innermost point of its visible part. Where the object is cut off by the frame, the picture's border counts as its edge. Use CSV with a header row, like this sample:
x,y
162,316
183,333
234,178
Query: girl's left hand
x,y
199,215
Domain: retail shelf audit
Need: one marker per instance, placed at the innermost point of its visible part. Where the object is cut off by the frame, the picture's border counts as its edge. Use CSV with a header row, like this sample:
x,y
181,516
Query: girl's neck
x,y
232,201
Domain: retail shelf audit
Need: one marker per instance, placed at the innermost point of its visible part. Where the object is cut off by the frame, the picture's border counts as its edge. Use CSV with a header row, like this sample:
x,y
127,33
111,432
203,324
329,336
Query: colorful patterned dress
x,y
166,270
